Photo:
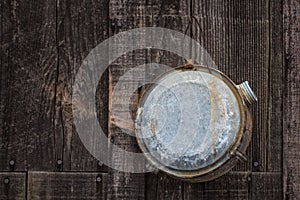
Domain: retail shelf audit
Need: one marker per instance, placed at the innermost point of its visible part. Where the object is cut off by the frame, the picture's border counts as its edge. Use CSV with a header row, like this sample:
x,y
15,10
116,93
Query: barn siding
x,y
43,43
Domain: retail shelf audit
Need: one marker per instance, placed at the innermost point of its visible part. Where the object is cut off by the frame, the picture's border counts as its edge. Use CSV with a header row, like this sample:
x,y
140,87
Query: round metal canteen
x,y
194,123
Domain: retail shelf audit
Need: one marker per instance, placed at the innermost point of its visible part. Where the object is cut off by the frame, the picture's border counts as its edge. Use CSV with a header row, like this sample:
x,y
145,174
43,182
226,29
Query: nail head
x,y
59,162
6,181
98,179
11,162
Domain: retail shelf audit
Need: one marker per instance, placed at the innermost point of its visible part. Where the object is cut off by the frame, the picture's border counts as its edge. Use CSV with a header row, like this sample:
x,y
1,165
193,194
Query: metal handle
x,y
239,155
247,93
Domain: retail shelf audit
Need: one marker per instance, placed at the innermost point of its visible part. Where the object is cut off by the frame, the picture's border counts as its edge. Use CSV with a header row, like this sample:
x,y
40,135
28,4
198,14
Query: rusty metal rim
x,y
229,164
190,174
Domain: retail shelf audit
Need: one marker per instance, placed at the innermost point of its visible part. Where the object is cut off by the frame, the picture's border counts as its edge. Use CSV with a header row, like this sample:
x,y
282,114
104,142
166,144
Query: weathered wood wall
x,y
43,43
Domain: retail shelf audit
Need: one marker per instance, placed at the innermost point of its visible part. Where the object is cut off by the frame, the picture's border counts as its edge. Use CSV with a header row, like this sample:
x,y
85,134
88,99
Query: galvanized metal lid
x,y
188,120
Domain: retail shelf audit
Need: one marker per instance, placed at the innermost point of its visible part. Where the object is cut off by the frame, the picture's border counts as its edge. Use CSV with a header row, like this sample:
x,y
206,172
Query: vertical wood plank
x,y
168,188
82,25
12,186
61,185
236,35
28,73
275,135
173,15
124,15
291,106
41,50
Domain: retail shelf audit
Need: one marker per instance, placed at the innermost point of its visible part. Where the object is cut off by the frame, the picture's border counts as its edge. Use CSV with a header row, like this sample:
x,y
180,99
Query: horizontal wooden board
x,y
266,186
238,185
62,185
12,186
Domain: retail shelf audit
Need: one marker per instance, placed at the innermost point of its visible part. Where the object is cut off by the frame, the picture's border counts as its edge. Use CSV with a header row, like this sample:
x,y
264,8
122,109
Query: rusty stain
x,y
122,122
214,98
189,65
152,125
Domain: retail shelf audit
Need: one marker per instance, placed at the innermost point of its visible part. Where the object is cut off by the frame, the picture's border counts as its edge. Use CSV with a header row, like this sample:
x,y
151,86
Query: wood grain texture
x,y
238,185
173,15
41,52
266,186
291,106
236,35
234,185
28,73
81,26
161,186
276,89
124,15
12,186
43,44
61,185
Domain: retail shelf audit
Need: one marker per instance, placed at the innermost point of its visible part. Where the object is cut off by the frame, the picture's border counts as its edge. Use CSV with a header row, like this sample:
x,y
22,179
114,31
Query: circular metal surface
x,y
188,120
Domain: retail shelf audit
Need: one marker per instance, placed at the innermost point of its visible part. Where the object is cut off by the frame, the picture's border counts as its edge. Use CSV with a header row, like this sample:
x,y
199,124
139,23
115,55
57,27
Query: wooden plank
x,y
266,186
275,135
12,186
291,106
231,186
33,118
62,185
238,185
173,15
236,35
161,186
82,25
124,15
234,185
28,73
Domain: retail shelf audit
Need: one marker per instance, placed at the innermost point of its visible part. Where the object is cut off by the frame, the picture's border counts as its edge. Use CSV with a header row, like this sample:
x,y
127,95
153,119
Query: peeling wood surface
x,y
43,44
